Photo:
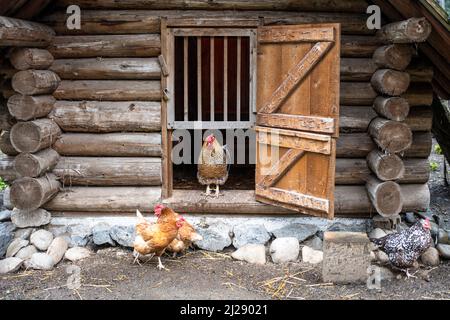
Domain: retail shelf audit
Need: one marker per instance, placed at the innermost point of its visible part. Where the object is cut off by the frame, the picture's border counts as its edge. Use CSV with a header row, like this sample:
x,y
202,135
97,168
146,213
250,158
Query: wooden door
x,y
297,116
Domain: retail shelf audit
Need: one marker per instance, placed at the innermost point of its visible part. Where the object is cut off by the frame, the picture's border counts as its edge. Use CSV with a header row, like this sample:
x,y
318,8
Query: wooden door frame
x,y
167,25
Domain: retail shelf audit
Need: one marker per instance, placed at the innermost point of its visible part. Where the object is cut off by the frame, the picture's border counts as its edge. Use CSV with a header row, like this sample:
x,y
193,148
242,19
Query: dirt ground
x,y
111,274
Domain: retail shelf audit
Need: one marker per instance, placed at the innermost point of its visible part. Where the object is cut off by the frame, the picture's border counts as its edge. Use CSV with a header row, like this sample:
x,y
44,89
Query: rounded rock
x,y
41,239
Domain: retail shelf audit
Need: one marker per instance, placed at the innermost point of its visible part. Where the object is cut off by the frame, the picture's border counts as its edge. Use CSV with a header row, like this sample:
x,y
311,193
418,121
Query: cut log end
x,y
395,56
386,166
33,165
391,136
35,135
407,31
31,82
393,108
30,107
390,82
31,193
386,197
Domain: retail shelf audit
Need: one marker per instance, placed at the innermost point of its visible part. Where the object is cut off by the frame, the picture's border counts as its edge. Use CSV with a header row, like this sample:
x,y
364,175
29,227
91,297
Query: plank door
x,y
297,116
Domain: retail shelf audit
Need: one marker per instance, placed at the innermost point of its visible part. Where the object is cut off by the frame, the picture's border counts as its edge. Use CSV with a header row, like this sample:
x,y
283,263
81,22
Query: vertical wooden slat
x,y
185,81
211,79
238,80
225,78
199,78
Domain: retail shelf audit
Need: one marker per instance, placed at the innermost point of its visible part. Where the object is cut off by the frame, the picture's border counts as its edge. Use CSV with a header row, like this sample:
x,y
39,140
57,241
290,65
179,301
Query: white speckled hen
x,y
405,247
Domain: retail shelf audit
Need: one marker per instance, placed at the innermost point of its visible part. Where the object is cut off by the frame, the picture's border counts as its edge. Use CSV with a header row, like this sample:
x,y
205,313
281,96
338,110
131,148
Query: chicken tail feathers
x,y
379,242
140,216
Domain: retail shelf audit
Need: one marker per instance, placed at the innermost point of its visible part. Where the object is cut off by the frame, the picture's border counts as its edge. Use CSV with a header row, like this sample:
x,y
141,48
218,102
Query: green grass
x,y
434,166
3,184
437,149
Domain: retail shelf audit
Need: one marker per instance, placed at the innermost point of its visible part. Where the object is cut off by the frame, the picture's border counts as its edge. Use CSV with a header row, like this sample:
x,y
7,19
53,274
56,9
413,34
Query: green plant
x,y
3,184
438,149
434,166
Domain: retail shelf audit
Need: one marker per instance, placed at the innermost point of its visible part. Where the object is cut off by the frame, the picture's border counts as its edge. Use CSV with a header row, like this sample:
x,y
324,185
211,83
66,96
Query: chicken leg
x,y
217,194
160,265
208,190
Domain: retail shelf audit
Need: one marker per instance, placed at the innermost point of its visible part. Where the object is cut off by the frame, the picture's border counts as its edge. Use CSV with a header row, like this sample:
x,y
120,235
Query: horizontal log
x,y
5,144
140,45
355,171
355,119
386,196
392,108
109,144
416,197
349,201
92,171
420,71
31,193
19,33
105,199
30,58
353,69
109,90
358,145
35,164
98,116
394,56
6,119
108,68
390,136
34,135
148,21
33,82
407,31
354,46
419,94
30,107
420,119
390,82
7,171
357,94
298,5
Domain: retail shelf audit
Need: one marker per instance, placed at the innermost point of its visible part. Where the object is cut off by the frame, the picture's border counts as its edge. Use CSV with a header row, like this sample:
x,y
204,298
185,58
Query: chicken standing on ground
x,y
405,247
212,164
186,236
154,238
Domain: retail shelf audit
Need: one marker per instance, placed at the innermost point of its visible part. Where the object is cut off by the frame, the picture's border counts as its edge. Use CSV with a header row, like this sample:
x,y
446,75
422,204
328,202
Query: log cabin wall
x,y
108,103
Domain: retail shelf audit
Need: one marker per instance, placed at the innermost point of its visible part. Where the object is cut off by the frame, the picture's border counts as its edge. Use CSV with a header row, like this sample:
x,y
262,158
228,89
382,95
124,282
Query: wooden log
x,y
354,69
33,136
357,94
20,33
31,193
355,119
420,71
108,68
298,5
386,167
5,144
390,136
355,171
353,46
394,56
407,31
385,196
7,171
109,90
390,82
31,82
105,199
142,45
359,145
420,119
109,144
30,107
419,94
392,108
98,116
148,21
30,58
421,145
35,164
416,197
6,119
92,171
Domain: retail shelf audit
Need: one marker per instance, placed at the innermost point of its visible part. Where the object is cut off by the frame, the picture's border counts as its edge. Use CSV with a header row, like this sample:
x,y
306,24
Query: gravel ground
x,y
110,274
